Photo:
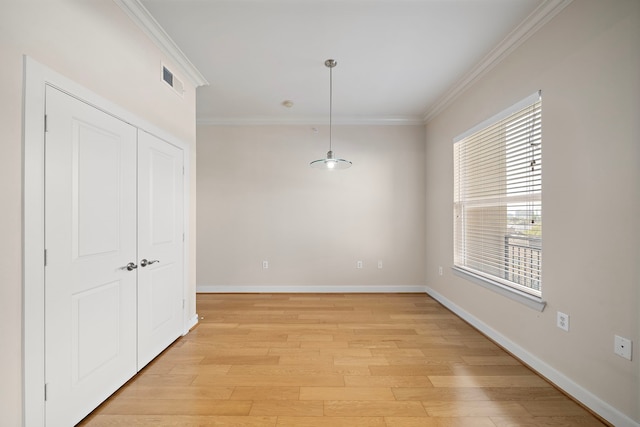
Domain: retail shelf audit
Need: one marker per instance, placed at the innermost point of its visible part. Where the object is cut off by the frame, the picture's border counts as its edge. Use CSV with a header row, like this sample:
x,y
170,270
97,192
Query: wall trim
x,y
301,289
147,23
536,20
190,324
582,395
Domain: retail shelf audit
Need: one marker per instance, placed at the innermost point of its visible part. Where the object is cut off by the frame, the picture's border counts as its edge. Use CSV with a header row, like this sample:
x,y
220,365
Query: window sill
x,y
521,297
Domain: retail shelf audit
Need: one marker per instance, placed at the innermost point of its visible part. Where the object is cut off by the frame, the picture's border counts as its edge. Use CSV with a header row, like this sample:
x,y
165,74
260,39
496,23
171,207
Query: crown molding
x,y
143,19
536,20
266,121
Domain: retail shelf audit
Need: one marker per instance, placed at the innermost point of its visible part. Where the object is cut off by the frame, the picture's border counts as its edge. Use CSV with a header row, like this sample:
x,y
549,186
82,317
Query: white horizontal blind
x,y
498,199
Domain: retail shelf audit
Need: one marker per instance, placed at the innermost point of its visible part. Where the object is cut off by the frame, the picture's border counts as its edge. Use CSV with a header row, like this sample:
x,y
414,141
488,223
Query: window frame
x,y
511,289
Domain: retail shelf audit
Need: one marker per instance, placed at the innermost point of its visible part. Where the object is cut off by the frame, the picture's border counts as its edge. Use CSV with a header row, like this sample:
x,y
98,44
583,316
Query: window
x,y
498,199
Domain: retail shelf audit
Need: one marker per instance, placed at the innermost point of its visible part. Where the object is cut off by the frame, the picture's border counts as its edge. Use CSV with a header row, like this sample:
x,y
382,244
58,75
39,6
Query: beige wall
x,y
95,44
258,199
587,63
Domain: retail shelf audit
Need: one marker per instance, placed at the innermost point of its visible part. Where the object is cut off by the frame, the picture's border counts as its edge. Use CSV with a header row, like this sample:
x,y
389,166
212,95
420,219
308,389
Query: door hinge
x,y
45,257
45,392
46,124
183,237
183,303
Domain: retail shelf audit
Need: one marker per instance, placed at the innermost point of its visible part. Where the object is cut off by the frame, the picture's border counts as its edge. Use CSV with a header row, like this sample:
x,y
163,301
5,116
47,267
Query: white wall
x,y
258,199
587,63
95,44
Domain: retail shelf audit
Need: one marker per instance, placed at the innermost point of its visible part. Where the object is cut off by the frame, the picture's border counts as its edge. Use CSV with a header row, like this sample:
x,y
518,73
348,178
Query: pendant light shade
x,y
330,162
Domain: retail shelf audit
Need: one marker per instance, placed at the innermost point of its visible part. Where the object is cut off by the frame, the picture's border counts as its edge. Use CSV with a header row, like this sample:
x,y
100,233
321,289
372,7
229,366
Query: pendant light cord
x,y
330,104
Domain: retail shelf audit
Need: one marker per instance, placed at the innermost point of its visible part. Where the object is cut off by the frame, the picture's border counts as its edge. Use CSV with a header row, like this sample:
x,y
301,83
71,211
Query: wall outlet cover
x,y
622,347
563,321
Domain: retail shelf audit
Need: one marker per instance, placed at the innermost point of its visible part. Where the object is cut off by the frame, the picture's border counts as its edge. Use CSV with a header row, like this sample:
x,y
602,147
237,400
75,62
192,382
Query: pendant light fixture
x,y
330,162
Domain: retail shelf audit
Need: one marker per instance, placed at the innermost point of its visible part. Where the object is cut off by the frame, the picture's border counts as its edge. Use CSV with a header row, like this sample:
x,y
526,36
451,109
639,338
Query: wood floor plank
x,y
317,360
472,408
331,422
198,369
177,407
180,392
299,369
360,361
350,408
370,344
324,344
430,360
439,422
490,360
265,393
346,393
332,360
477,393
563,407
241,360
309,337
485,371
588,421
348,352
290,408
270,380
419,370
213,349
488,381
397,353
164,380
180,421
394,381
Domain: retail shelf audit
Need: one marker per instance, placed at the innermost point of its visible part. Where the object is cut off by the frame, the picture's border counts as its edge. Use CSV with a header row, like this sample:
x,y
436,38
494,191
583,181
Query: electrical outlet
x,y
440,270
265,264
380,264
359,264
563,321
622,347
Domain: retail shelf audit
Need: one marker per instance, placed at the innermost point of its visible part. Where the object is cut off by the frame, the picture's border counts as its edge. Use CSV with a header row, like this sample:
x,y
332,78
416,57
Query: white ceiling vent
x,y
169,78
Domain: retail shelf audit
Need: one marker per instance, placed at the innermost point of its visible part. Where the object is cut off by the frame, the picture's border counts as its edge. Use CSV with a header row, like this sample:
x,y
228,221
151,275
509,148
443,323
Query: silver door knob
x,y
130,267
146,262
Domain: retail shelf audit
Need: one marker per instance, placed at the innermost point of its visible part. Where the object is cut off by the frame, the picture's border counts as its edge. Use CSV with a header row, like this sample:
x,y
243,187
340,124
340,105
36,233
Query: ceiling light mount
x,y
330,162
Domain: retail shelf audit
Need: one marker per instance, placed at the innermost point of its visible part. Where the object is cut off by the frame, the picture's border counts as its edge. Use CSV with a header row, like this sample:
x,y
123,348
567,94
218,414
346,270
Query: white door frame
x,y
36,78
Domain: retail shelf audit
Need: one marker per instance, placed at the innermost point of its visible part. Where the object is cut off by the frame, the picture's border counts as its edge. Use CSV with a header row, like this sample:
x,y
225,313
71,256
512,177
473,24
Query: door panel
x,y
96,168
160,238
90,234
96,313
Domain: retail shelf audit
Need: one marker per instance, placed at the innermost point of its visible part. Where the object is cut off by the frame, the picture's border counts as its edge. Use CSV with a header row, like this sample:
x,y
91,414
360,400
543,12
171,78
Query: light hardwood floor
x,y
306,360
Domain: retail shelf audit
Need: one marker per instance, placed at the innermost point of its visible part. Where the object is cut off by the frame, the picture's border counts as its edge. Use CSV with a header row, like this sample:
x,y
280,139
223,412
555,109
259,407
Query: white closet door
x,y
160,246
90,237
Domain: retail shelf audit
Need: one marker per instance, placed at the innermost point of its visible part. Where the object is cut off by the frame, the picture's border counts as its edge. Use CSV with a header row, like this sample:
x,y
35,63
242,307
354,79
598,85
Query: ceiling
x,y
397,59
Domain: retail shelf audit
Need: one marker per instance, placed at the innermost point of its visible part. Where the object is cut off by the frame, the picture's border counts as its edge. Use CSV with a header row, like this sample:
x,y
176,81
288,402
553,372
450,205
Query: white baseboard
x,y
191,323
231,289
579,393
